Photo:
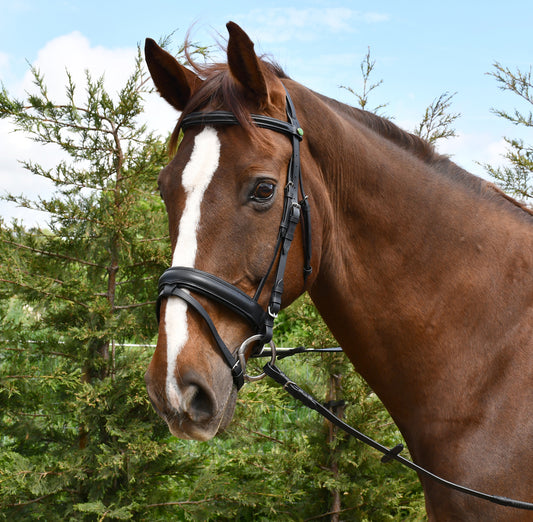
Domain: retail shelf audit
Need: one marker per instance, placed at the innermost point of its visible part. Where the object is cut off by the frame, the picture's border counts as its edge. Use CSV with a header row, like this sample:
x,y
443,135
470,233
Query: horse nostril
x,y
199,404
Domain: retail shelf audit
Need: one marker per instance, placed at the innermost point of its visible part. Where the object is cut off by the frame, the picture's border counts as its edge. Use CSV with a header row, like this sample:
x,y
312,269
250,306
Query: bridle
x,y
178,281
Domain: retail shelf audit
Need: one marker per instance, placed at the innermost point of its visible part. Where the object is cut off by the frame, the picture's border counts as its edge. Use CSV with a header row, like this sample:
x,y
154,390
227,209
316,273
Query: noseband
x,y
179,281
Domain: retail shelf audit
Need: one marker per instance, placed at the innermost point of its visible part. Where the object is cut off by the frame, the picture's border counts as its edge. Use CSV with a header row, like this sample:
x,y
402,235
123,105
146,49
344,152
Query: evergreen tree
x,y
78,437
517,178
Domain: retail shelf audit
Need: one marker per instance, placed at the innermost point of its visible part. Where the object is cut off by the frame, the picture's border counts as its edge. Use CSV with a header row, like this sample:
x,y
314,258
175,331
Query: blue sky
x,y
422,49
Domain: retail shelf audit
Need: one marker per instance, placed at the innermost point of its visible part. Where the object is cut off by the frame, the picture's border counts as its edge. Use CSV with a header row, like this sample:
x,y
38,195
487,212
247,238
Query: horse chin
x,y
185,428
192,432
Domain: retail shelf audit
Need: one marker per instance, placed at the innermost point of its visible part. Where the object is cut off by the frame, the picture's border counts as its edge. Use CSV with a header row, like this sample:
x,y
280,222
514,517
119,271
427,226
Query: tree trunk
x,y
336,405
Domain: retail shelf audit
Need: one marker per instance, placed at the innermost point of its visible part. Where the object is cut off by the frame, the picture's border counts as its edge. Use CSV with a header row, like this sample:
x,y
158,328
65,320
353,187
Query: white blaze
x,y
195,179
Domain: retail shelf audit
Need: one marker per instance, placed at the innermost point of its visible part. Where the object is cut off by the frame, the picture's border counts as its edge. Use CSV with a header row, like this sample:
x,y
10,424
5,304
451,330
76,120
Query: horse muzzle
x,y
191,407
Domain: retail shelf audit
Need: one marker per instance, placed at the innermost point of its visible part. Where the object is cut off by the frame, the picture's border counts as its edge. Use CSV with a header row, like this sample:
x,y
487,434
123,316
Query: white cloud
x,y
284,24
14,147
72,52
469,150
496,152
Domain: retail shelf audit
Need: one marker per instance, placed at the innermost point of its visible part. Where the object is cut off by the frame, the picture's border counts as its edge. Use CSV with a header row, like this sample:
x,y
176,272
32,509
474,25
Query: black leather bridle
x,y
178,281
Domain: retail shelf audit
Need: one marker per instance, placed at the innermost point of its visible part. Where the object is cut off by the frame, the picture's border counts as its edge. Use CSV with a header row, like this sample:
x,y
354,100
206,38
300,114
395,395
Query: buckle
x,y
271,314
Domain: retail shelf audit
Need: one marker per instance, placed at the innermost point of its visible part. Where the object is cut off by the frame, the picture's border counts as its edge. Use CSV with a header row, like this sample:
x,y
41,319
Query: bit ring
x,y
242,360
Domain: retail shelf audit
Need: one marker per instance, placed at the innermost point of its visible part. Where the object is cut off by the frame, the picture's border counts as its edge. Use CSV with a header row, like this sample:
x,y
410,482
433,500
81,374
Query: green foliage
x,y
366,66
437,120
78,437
517,178
67,442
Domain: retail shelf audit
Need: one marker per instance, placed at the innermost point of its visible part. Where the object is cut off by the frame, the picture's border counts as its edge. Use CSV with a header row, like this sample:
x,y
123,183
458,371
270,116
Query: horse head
x,y
224,192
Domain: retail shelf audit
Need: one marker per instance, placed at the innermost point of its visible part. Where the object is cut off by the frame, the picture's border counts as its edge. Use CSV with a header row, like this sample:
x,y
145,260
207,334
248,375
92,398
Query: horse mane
x,y
219,89
386,128
442,163
426,152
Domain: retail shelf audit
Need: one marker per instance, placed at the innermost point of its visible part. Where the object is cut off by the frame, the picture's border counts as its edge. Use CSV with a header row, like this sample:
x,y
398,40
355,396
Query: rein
x,y
389,454
179,281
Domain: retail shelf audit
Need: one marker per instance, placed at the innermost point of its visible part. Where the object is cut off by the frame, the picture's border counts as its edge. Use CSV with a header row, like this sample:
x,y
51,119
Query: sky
x,y
421,50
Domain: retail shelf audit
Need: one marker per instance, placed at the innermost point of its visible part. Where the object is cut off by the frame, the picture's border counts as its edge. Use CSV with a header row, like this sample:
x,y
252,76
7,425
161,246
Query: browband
x,y
228,118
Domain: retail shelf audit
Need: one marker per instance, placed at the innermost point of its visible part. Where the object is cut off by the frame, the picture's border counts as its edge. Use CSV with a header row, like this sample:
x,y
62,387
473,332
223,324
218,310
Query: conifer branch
x,y
184,502
52,254
136,305
33,501
43,292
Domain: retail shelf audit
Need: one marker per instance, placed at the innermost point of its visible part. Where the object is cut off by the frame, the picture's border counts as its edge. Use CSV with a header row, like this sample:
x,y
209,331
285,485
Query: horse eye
x,y
263,191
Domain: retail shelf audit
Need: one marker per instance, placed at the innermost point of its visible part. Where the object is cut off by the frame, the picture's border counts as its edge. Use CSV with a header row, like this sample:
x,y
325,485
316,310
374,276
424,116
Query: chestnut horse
x,y
422,271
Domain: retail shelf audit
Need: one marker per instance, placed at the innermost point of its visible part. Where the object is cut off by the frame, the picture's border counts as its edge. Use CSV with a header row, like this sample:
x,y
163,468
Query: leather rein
x,y
179,281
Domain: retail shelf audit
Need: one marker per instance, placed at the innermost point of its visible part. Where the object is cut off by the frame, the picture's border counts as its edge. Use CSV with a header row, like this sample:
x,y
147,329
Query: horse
x,y
422,271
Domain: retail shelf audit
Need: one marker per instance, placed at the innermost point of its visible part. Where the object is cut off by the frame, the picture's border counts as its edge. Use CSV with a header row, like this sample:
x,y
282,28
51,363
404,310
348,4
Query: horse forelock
x,y
221,91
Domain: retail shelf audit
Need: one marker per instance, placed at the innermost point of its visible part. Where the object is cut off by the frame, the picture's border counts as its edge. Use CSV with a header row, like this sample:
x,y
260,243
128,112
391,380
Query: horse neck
x,y
412,255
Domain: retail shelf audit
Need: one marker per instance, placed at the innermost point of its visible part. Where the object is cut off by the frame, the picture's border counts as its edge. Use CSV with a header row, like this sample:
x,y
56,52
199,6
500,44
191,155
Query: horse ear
x,y
174,82
244,63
